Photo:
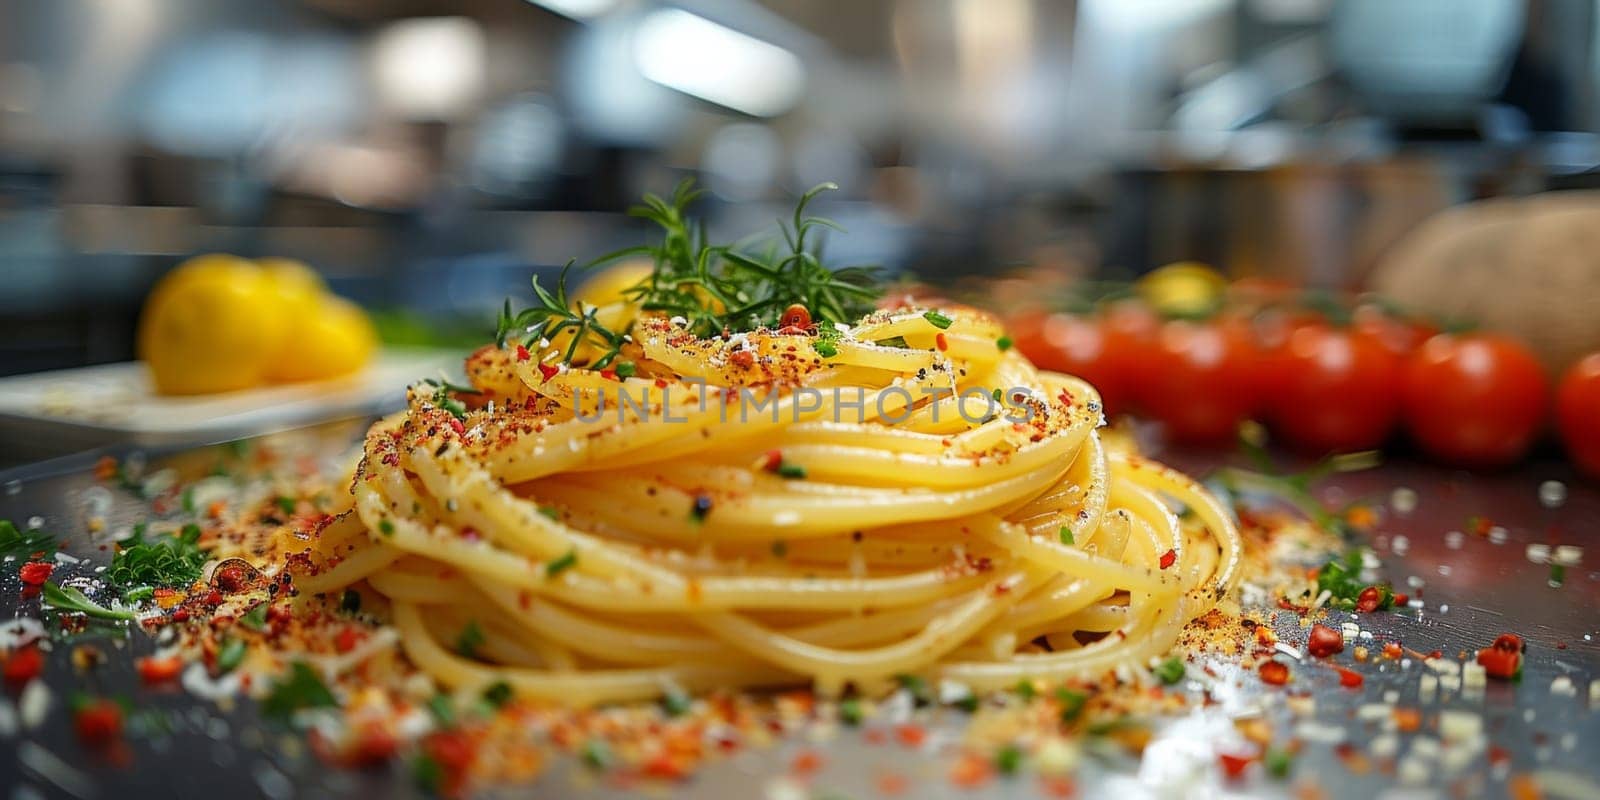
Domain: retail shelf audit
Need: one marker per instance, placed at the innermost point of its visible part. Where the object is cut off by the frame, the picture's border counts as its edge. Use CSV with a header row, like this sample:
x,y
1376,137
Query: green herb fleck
x,y
1066,536
561,564
187,500
850,711
1004,343
1072,703
442,711
67,598
350,602
231,656
1278,762
386,527
916,686
625,369
550,512
1558,574
498,694
893,341
596,754
138,594
825,348
1008,760
790,471
427,773
937,320
675,703
470,639
286,505
302,689
967,702
1170,671
256,619
1026,690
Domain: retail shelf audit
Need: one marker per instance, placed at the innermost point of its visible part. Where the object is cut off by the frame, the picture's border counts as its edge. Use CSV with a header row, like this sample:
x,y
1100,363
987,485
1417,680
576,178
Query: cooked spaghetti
x,y
762,509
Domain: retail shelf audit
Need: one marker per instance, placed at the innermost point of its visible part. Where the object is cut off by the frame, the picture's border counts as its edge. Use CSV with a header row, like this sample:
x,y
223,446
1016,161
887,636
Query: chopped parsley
x,y
625,369
937,320
1278,762
1341,579
302,689
166,560
1003,343
443,712
825,348
893,341
850,712
386,527
498,694
550,512
917,687
255,620
561,564
675,703
1008,760
470,639
1071,703
789,471
139,594
231,656
1026,690
1066,535
1170,671
286,504
444,395
596,754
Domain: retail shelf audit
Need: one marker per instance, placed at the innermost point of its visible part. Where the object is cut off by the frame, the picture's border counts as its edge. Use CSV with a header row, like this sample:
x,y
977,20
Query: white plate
x,y
49,413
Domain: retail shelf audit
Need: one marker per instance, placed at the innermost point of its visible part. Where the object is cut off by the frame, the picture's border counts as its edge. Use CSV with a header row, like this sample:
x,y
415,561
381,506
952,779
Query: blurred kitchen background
x,y
428,155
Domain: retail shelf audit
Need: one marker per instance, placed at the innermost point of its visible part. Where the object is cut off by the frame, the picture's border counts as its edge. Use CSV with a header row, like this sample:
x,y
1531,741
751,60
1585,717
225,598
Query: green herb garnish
x,y
1072,703
675,703
386,527
470,639
24,545
442,710
1278,762
561,564
231,656
286,505
350,602
893,341
302,689
138,594
552,315
790,471
444,392
1170,671
937,320
917,687
167,560
67,598
498,694
850,711
255,619
1008,760
596,754
1003,343
625,369
1066,535
550,512
426,773
1026,690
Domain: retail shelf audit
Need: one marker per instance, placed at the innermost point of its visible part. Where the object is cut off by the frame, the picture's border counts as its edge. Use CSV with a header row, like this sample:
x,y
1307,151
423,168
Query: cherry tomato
x,y
1333,390
1473,399
1202,380
1108,350
1400,335
1578,413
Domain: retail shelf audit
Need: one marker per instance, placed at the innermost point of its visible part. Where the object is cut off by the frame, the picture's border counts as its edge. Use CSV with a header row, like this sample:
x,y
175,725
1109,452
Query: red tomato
x,y
1399,335
1108,350
1578,413
1202,380
1333,390
1473,399
98,722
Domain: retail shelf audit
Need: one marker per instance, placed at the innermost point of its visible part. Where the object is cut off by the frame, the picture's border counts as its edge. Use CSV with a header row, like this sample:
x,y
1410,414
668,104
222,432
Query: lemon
x,y
210,325
1183,289
337,339
299,288
608,287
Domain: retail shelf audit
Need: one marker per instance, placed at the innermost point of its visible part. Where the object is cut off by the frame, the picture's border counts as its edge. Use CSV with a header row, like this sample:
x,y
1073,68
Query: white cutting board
x,y
49,413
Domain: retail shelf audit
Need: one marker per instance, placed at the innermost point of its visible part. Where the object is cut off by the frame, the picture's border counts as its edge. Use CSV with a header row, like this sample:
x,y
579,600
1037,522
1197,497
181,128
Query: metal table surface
x,y
1473,588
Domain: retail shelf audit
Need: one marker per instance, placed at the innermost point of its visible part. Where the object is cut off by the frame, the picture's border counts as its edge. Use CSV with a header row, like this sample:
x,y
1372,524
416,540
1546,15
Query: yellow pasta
x,y
746,511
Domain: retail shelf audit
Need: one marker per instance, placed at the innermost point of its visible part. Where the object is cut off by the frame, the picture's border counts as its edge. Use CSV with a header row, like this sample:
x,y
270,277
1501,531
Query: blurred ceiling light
x,y
741,160
577,9
712,62
429,68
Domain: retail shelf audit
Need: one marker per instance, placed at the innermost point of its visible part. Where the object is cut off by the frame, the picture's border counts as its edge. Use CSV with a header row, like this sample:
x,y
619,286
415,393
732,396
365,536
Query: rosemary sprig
x,y
716,288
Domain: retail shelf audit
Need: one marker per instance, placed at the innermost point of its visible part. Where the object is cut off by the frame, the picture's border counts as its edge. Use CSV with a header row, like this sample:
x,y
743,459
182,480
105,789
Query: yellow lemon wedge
x,y
608,286
336,340
210,325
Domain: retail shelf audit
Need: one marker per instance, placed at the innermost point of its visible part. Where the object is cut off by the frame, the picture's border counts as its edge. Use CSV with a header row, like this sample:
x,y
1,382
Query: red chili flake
x,y
1265,636
347,639
24,665
1274,672
1234,764
181,615
941,342
666,766
98,722
772,461
159,670
970,772
35,573
455,425
910,735
1057,786
374,745
1065,397
609,374
1407,720
231,578
743,359
795,316
1169,558
1349,678
548,370
806,762
214,598
1393,650
1369,600
522,353
1324,641
891,784
1503,659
